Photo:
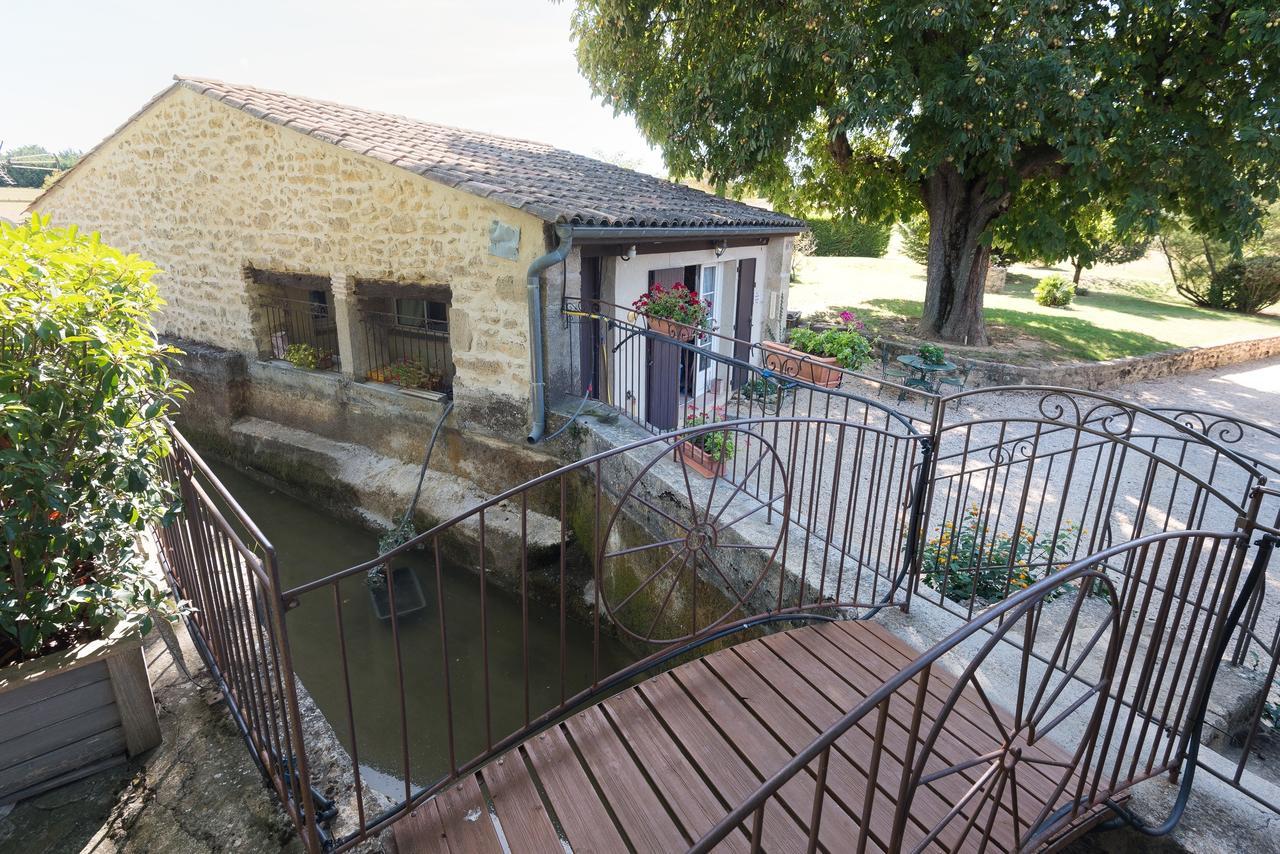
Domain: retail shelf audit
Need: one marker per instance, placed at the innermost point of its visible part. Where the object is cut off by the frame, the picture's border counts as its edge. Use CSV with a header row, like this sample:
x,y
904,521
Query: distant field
x,y
1131,309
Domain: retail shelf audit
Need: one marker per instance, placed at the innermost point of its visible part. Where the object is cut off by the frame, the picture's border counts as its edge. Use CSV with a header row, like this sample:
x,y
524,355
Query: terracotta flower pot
x,y
671,329
822,371
699,460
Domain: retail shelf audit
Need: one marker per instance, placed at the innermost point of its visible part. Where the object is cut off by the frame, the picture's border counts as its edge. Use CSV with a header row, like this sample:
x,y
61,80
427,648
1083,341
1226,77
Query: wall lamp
x,y
721,245
626,256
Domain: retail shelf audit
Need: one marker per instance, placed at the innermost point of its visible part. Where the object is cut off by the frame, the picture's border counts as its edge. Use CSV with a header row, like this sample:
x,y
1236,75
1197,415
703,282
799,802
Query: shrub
x,y
847,237
915,237
969,560
850,348
1247,286
84,392
1054,291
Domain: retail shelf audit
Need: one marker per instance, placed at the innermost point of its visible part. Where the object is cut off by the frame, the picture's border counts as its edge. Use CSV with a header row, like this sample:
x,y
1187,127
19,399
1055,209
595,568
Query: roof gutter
x,y
538,384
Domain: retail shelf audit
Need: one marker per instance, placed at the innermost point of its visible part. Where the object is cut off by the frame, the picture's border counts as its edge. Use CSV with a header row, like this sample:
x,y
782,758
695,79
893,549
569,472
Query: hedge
x,y
849,237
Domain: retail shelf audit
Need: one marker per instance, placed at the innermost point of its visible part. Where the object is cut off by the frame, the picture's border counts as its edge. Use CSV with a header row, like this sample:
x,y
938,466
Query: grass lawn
x,y
1130,310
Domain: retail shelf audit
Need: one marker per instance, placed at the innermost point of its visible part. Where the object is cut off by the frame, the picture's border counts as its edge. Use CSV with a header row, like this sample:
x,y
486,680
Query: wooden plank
x,y
78,701
733,778
639,809
766,752
131,685
24,694
465,816
847,780
421,831
695,804
58,734
572,797
62,760
521,813
823,696
71,776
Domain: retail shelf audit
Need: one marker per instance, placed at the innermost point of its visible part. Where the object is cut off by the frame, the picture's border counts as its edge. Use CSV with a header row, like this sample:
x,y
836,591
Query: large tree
x,y
877,107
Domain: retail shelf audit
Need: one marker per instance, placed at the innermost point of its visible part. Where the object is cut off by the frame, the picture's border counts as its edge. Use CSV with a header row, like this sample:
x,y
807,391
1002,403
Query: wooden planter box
x,y
820,370
699,460
69,715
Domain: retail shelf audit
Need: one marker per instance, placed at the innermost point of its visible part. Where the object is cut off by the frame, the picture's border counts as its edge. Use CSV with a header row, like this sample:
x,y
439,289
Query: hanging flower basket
x,y
671,329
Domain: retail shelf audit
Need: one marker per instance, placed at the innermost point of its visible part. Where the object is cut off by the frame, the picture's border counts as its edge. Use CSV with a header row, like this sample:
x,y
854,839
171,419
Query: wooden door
x,y
664,366
743,317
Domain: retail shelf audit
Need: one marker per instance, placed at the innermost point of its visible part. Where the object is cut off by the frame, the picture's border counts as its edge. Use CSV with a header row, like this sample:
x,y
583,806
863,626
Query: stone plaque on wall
x,y
504,240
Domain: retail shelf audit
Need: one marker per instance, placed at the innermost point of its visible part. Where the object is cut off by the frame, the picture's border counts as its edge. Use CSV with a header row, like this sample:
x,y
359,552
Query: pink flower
x,y
847,317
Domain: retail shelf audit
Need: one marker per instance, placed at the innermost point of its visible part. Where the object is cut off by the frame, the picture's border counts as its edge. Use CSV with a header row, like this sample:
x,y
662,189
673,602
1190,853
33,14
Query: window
x,y
430,315
319,304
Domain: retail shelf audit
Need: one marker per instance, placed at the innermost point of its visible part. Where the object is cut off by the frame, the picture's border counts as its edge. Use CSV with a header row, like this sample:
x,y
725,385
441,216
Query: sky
x,y
79,68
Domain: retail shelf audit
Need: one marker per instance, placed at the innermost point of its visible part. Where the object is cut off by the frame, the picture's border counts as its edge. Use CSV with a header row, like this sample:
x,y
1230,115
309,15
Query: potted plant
x,y
84,393
816,356
931,354
309,357
676,312
706,453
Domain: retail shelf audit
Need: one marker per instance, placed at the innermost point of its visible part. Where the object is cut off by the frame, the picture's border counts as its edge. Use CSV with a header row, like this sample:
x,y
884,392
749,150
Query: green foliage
x,y
412,373
84,392
677,303
718,445
1053,291
1249,285
307,356
760,388
915,237
36,155
972,560
849,238
847,345
984,111
932,354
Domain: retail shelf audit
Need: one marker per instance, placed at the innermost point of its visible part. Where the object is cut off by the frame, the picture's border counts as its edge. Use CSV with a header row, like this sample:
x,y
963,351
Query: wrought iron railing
x,y
823,514
412,353
303,332
217,561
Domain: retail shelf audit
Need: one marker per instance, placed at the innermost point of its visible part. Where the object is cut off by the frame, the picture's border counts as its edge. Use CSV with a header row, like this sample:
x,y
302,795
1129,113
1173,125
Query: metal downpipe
x,y
537,382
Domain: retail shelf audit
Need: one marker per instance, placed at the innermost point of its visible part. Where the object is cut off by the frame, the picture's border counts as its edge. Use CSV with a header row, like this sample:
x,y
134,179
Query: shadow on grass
x,y
1069,336
1019,285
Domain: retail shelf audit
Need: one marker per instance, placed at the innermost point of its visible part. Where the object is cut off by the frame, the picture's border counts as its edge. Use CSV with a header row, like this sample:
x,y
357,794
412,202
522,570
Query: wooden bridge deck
x,y
653,768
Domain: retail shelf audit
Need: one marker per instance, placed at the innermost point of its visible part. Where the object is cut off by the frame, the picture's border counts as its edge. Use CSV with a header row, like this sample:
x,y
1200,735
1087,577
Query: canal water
x,y
312,544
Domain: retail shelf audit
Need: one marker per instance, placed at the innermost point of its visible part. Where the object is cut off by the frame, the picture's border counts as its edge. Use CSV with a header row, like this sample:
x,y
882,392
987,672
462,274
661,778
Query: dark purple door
x,y
743,317
663,366
590,332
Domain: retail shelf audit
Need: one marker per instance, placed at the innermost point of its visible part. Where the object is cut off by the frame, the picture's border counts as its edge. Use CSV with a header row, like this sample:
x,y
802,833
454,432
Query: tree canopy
x,y
973,110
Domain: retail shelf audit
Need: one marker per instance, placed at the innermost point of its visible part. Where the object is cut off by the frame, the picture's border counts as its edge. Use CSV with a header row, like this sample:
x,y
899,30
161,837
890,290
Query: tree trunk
x,y
1075,280
959,212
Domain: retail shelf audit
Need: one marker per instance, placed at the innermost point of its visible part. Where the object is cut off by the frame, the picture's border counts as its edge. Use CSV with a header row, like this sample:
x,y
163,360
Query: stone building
x,y
367,266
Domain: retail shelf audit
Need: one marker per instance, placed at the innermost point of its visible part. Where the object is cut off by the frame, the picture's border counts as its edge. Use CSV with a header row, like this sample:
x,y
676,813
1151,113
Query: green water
x,y
311,544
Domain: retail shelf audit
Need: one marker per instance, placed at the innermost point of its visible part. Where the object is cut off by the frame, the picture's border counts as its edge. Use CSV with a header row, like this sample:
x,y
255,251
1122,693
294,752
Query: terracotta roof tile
x,y
550,183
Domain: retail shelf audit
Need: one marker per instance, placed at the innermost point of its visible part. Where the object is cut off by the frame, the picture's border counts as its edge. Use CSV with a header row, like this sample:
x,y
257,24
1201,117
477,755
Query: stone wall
x,y
1111,372
205,191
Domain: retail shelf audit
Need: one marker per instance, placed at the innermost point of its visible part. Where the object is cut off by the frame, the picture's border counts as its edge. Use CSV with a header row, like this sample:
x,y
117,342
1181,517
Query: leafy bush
x,y
84,392
412,373
849,237
915,237
760,388
850,348
306,356
1247,286
1054,291
967,561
